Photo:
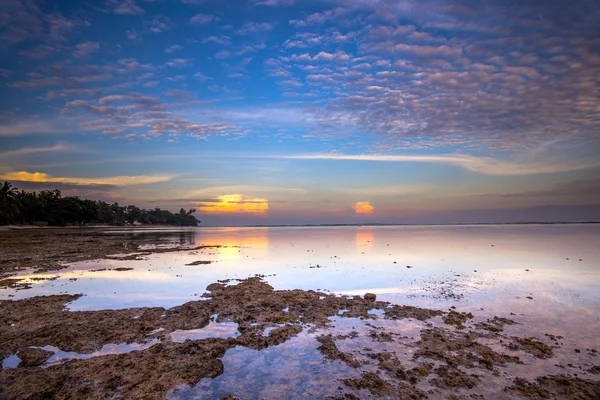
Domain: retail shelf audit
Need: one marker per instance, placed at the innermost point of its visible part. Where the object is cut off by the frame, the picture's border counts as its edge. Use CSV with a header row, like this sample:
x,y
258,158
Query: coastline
x,y
363,347
90,226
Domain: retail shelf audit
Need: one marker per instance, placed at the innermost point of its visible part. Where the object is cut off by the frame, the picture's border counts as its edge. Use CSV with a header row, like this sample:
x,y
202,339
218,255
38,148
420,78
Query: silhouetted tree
x,y
50,207
9,205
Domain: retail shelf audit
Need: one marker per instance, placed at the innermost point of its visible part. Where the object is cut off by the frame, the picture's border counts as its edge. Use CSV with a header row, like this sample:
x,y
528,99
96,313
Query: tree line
x,y
50,207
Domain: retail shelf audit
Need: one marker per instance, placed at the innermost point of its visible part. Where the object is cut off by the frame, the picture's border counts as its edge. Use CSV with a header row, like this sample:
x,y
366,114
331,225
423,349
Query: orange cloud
x,y
235,203
363,207
113,180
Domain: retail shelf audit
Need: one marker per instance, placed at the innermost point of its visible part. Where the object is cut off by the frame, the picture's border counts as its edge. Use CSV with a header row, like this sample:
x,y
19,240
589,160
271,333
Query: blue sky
x,y
315,111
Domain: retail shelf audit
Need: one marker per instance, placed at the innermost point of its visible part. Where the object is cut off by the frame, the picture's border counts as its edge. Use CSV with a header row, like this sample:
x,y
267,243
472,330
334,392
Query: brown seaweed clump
x,y
377,386
532,346
330,351
459,349
152,372
495,324
444,357
558,387
457,319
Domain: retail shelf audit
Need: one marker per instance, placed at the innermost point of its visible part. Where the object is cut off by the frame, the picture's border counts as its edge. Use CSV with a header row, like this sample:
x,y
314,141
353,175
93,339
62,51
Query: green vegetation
x,y
49,207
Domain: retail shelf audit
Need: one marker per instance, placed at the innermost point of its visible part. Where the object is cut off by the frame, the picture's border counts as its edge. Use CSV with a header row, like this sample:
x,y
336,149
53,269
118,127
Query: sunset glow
x,y
363,207
235,203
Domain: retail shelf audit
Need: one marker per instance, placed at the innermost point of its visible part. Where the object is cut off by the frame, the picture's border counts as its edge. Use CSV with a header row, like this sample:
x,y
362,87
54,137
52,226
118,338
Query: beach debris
x,y
200,262
370,297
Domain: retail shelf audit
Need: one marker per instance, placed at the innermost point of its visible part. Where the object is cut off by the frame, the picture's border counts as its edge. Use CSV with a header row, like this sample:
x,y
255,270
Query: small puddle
x,y
11,362
277,372
221,330
107,349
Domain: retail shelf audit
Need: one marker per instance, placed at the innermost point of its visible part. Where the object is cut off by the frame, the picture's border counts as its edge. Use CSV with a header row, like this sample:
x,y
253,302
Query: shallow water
x,y
294,369
490,266
546,277
108,349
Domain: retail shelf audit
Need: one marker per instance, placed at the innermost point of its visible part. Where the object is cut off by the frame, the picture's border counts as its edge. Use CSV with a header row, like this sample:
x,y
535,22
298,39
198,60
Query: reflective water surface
x,y
546,276
558,265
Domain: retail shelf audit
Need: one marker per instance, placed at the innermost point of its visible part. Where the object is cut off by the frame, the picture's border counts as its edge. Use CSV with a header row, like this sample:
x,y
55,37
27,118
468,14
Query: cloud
x,y
20,21
363,207
59,27
412,75
323,56
254,27
32,127
37,82
273,3
222,39
481,165
256,191
173,48
429,51
83,50
200,19
125,7
133,35
234,204
201,77
318,18
373,191
34,150
115,180
159,24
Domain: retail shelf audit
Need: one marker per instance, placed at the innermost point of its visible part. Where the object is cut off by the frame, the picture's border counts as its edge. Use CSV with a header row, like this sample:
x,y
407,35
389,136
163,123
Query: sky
x,y
304,112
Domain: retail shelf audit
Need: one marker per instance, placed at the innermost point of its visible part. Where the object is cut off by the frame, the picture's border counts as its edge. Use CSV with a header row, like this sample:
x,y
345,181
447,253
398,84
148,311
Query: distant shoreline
x,y
374,224
98,226
382,224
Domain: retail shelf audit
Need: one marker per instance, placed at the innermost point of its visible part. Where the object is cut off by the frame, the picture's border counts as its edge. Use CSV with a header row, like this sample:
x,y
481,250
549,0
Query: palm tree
x,y
9,205
7,190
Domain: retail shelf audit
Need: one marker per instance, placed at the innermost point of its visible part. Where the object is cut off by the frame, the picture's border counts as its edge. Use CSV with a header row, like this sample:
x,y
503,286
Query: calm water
x,y
478,266
489,269
547,275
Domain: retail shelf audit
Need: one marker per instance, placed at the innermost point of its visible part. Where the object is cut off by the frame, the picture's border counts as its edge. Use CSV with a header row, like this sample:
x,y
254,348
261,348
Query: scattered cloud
x,y
222,39
173,48
254,27
273,3
133,35
159,24
359,80
125,7
200,19
83,50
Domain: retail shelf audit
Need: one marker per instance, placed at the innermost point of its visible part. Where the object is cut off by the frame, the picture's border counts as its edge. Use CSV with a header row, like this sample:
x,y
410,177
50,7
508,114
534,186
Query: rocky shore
x,y
374,348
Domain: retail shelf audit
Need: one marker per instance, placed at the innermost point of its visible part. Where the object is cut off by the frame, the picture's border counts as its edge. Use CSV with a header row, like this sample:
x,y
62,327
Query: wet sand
x,y
305,343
